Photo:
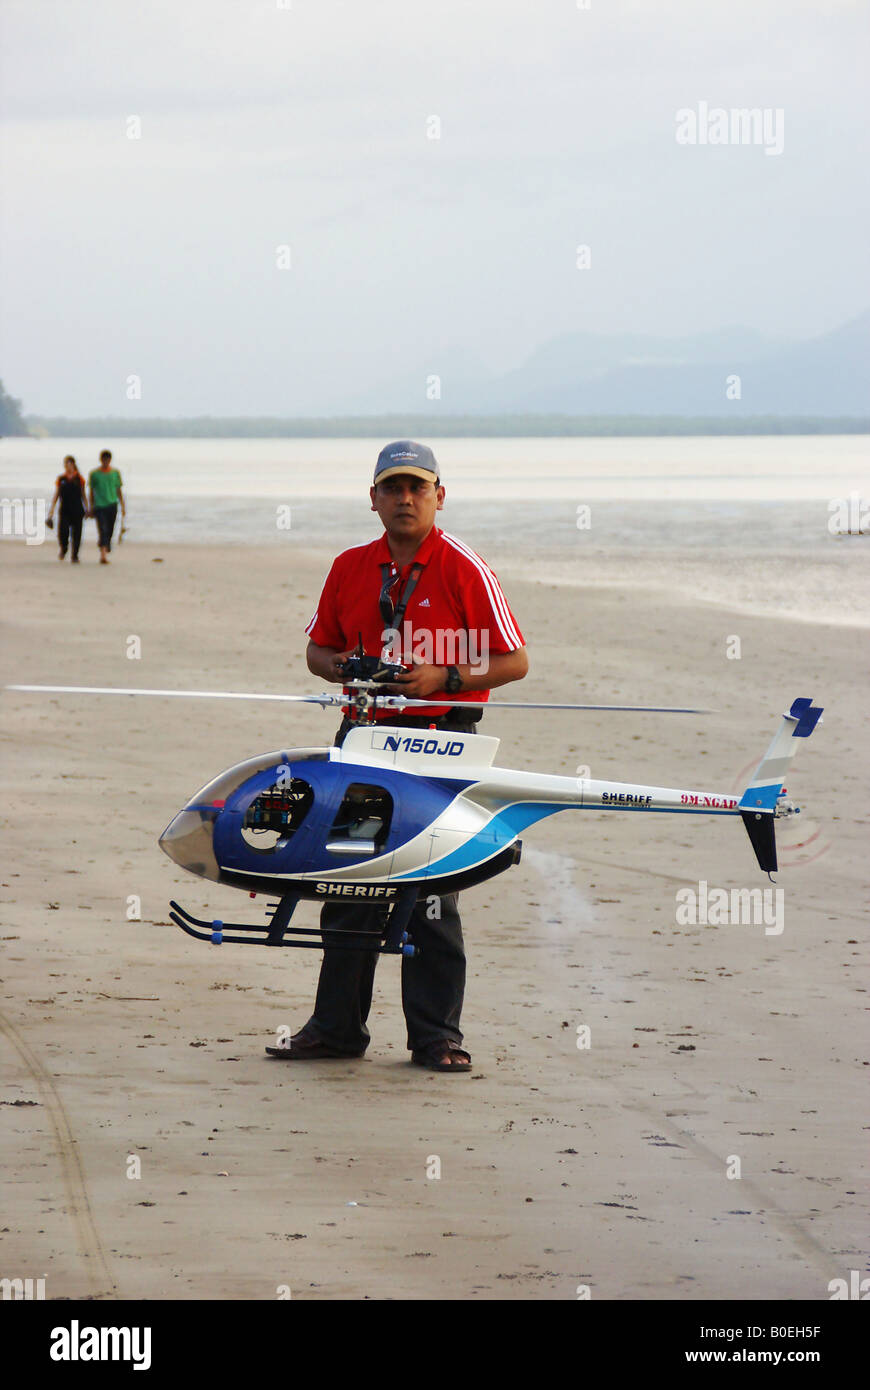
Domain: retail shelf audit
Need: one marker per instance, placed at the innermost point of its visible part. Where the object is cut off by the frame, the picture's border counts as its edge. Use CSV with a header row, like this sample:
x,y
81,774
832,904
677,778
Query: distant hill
x,y
639,374
585,384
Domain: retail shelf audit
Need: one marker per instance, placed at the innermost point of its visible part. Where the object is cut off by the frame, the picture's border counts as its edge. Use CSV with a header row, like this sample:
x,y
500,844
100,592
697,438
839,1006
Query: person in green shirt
x,y
104,490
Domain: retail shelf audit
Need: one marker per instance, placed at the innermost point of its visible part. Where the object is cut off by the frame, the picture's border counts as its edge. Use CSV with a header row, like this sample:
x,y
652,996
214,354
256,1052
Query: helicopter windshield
x,y
188,839
216,792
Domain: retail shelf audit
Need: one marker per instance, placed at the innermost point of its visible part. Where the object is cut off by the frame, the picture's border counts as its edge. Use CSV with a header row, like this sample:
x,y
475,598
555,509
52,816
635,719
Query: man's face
x,y
407,505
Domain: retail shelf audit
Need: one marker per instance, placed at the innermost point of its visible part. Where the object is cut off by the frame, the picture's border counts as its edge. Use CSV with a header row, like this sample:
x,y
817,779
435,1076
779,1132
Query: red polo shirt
x,y
455,616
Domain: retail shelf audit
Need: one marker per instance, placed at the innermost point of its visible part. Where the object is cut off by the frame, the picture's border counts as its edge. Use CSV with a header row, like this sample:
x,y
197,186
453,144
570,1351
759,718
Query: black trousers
x,y
105,524
70,526
433,983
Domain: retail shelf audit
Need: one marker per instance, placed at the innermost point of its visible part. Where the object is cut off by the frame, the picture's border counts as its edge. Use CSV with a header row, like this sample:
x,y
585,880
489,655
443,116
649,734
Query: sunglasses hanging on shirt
x,y
392,614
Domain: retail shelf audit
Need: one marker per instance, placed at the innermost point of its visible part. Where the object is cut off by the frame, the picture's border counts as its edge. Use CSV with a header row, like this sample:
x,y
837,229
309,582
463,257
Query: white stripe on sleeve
x,y
500,609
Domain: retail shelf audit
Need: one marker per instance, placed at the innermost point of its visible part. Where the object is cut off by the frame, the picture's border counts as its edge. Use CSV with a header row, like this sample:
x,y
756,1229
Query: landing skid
x,y
392,940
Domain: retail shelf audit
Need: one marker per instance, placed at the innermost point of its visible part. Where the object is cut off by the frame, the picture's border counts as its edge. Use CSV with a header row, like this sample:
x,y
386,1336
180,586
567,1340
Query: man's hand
x,y
338,660
423,680
325,662
495,670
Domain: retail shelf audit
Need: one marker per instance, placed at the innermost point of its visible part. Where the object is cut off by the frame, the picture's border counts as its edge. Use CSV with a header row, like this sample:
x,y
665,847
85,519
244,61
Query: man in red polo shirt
x,y
421,598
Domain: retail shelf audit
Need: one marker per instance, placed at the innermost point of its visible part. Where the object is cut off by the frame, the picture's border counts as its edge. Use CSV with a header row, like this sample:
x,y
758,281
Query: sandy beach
x,y
604,1168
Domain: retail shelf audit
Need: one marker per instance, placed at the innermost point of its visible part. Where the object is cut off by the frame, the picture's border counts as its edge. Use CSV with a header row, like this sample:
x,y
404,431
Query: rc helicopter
x,y
400,813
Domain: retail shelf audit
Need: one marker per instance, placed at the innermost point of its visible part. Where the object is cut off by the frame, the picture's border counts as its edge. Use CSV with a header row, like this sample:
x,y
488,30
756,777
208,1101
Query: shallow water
x,y
756,523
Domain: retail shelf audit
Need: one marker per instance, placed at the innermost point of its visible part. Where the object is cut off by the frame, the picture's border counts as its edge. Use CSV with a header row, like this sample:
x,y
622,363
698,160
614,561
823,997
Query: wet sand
x,y
560,1167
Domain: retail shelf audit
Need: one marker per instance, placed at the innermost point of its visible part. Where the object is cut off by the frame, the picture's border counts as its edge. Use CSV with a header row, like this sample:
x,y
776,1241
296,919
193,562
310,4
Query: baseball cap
x,y
406,456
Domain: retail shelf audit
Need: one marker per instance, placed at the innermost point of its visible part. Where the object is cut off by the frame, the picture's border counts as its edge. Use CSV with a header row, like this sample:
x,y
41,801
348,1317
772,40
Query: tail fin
x,y
758,803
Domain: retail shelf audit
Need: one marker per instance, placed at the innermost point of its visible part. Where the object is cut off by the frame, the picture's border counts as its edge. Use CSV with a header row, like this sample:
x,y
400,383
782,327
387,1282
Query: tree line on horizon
x,y
521,425
401,426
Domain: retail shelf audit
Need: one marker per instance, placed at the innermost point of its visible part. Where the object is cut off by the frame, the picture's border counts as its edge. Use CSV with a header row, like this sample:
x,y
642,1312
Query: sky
x,y
284,236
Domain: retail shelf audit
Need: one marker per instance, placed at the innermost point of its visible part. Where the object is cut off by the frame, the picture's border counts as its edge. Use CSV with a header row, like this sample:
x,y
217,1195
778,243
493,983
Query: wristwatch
x,y
454,680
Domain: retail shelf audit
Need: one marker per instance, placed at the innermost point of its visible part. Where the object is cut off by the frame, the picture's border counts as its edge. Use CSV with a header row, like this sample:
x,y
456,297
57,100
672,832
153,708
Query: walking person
x,y
104,486
420,597
69,491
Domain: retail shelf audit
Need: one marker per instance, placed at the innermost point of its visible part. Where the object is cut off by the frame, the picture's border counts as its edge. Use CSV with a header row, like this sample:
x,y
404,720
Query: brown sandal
x,y
435,1056
304,1048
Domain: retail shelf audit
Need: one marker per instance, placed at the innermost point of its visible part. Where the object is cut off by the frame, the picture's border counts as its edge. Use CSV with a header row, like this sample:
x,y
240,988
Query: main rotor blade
x,y
530,704
186,694
389,702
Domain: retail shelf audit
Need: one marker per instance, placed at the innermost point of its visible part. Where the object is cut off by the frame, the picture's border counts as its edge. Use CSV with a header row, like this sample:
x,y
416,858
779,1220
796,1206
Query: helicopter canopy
x,y
188,839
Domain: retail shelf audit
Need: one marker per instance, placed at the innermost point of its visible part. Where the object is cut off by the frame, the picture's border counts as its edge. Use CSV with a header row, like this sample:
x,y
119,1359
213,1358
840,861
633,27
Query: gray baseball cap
x,y
406,456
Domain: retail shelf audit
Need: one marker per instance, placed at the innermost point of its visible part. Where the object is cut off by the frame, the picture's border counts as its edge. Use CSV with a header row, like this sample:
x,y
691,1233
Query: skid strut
x,y
391,940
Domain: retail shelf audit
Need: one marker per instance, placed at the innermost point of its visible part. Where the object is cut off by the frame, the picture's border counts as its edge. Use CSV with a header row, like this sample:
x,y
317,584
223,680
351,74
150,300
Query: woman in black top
x,y
70,492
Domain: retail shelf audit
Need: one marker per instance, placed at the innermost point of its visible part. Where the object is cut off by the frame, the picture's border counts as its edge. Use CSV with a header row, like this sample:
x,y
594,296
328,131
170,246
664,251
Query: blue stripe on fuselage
x,y
504,827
